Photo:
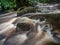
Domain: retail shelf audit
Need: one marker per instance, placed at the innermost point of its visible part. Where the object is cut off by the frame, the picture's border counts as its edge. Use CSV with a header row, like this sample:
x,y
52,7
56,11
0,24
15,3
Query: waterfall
x,y
45,8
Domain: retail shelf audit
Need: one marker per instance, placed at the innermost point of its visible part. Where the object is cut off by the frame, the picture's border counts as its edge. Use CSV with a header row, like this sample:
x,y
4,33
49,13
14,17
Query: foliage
x,y
7,4
22,3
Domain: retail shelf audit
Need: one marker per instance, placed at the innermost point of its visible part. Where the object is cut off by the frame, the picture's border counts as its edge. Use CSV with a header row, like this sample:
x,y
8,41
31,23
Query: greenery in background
x,y
7,4
22,3
10,4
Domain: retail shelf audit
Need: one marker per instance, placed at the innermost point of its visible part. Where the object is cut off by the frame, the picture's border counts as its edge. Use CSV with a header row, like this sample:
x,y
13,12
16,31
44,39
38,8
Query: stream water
x,y
45,8
40,9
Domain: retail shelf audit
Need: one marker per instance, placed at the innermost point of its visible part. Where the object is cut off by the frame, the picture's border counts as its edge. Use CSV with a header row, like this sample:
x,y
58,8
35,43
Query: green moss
x,y
26,10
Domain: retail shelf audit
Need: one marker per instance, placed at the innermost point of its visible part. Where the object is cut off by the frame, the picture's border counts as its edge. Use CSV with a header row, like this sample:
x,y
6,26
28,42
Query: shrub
x,y
7,4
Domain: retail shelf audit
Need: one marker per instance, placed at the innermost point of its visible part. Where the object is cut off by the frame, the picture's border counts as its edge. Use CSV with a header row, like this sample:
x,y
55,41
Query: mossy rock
x,y
26,10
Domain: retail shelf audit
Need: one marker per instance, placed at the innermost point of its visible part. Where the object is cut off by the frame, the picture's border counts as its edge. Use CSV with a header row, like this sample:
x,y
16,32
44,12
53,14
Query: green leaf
x,y
7,3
